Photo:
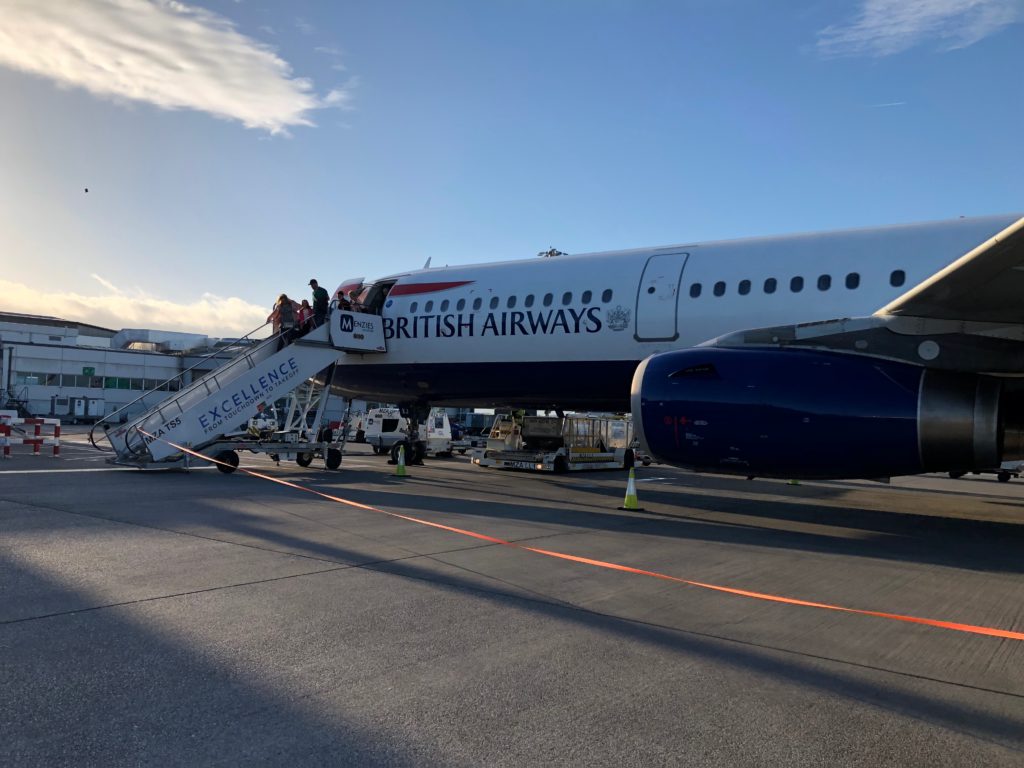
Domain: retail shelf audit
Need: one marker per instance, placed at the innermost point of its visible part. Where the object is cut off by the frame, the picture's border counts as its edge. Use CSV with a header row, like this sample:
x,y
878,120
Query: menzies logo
x,y
346,323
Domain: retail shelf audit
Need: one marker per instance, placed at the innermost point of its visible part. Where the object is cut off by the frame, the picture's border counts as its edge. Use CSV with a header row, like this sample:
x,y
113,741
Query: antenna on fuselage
x,y
427,265
551,253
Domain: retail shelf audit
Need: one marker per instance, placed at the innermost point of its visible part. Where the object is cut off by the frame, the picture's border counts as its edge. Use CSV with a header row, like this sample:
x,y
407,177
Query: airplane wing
x,y
984,285
967,317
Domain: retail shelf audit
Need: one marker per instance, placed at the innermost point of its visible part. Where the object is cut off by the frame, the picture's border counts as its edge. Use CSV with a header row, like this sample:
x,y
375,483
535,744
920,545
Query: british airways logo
x,y
530,323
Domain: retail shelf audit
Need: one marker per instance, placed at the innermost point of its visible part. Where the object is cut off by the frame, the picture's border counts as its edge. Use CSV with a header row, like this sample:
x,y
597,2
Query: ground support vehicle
x,y
471,438
553,444
78,409
387,430
203,415
1006,471
283,446
288,440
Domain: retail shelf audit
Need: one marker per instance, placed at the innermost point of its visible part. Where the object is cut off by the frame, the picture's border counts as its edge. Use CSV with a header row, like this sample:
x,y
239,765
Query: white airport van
x,y
386,427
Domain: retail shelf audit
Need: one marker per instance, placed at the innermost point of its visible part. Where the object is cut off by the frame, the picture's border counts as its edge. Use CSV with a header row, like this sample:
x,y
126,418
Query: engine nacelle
x,y
803,413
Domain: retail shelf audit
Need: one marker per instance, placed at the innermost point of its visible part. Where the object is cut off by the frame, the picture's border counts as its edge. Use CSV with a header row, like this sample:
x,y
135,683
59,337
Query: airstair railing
x,y
199,389
108,418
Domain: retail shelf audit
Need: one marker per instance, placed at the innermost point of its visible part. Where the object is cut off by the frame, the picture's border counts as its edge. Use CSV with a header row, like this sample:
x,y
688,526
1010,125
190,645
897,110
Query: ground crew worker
x,y
320,301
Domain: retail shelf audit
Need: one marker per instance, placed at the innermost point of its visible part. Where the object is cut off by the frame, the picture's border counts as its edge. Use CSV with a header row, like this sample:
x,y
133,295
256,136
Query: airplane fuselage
x,y
569,331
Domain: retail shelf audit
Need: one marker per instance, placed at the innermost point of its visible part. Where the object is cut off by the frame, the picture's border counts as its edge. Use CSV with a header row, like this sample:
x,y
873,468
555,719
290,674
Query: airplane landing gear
x,y
417,413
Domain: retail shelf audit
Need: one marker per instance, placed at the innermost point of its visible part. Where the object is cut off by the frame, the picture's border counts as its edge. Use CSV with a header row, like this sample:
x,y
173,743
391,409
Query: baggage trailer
x,y
552,444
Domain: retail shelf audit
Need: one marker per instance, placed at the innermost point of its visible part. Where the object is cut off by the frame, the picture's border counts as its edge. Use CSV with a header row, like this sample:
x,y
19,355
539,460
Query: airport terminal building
x,y
80,372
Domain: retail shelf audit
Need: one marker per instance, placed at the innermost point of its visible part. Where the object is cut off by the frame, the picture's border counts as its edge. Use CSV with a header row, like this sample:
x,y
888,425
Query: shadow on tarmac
x,y
172,694
977,545
93,687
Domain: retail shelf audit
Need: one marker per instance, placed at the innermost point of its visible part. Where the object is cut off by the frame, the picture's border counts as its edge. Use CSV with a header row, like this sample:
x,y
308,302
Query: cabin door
x,y
657,300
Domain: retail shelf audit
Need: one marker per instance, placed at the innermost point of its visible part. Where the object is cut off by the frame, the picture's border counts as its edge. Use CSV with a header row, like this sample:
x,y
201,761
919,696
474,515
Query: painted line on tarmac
x,y
86,469
937,623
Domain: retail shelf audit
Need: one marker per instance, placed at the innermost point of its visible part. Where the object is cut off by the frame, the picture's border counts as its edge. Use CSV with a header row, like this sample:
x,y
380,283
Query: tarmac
x,y
173,618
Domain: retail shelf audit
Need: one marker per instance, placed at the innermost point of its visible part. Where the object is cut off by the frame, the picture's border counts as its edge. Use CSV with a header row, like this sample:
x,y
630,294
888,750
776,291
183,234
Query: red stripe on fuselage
x,y
410,289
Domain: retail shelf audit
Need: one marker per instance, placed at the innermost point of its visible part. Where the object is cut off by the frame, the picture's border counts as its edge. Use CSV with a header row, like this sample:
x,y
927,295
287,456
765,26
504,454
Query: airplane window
x,y
444,305
567,298
695,290
548,298
744,287
413,307
852,280
897,278
494,302
461,305
587,296
796,284
529,300
606,296
429,307
770,285
477,303
824,282
719,288
511,302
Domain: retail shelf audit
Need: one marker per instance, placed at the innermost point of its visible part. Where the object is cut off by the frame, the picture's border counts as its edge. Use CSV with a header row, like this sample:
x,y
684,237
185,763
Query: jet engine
x,y
811,414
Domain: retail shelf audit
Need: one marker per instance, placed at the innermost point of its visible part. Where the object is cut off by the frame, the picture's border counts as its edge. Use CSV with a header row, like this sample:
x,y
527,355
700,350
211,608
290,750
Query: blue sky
x,y
232,150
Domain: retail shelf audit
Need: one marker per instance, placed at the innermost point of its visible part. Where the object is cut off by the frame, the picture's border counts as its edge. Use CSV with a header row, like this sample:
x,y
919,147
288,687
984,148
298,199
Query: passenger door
x,y
657,298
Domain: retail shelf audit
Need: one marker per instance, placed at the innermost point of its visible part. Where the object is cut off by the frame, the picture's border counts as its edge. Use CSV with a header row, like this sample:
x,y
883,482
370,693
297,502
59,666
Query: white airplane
x,y
874,352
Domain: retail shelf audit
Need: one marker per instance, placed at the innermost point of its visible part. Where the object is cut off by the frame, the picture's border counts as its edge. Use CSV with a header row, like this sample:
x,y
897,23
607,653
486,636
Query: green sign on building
x,y
88,371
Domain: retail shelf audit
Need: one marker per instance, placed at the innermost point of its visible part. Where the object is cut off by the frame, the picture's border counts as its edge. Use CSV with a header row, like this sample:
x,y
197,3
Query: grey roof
x,y
18,317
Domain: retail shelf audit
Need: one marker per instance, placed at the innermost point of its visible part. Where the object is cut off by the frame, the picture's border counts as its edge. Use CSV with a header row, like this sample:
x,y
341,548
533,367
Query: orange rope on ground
x,y
955,626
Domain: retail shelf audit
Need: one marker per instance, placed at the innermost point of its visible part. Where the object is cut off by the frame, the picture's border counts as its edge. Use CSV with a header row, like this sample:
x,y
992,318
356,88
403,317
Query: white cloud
x,y
116,308
886,27
163,52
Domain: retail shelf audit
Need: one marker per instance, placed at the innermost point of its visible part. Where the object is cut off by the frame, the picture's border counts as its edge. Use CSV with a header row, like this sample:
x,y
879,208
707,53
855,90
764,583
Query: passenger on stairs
x,y
305,314
353,300
320,302
283,318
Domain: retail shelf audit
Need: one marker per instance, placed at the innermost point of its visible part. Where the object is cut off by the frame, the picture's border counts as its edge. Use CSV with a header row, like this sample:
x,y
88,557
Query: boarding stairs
x,y
18,402
199,415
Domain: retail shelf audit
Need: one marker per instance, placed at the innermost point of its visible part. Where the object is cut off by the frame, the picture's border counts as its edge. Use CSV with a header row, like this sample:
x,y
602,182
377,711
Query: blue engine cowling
x,y
810,414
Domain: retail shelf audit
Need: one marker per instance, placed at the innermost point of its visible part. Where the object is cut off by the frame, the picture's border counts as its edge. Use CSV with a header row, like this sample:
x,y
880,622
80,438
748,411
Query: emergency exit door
x,y
657,301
